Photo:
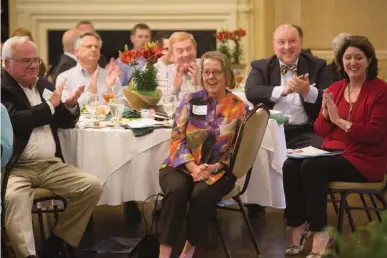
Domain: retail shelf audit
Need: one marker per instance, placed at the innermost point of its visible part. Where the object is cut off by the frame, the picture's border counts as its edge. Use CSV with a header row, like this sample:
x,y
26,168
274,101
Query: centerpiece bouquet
x,y
142,91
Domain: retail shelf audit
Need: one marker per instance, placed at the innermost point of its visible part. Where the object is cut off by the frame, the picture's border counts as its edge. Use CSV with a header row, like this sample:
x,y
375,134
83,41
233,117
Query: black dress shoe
x,y
132,212
53,247
255,210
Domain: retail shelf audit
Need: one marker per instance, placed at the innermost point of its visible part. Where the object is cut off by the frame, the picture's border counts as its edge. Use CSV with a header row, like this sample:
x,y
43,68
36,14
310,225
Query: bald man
x,y
68,59
290,82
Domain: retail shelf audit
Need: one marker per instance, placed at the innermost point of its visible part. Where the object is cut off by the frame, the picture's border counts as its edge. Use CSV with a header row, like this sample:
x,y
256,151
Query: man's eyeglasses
x,y
215,73
28,61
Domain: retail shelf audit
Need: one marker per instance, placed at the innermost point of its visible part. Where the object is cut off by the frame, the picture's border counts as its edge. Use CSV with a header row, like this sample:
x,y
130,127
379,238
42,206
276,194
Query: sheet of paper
x,y
144,122
309,152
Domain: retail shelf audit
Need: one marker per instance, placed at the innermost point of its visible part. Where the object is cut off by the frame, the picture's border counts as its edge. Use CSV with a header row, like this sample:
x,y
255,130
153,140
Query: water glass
x,y
170,104
116,109
92,103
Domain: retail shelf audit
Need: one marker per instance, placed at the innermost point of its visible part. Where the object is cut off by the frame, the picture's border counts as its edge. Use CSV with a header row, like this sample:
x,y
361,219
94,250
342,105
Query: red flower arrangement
x,y
143,80
223,36
150,53
233,35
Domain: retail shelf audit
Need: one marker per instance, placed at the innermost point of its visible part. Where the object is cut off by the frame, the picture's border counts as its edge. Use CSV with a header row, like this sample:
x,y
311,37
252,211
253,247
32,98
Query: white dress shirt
x,y
187,85
77,76
41,144
291,105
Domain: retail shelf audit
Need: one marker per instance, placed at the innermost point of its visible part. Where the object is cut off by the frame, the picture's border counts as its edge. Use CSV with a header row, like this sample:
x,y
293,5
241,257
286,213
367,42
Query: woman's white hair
x,y
338,41
7,48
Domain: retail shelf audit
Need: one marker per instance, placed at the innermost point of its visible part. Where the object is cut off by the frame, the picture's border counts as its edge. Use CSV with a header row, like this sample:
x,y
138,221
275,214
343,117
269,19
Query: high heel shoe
x,y
296,249
321,254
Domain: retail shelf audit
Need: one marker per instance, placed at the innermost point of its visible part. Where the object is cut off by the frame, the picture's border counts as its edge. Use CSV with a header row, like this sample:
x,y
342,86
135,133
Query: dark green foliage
x,y
369,242
145,80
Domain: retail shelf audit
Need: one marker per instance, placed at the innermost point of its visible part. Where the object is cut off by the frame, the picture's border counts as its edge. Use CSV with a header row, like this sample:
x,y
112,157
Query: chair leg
x,y
376,207
350,218
365,206
41,227
334,202
248,225
221,237
341,213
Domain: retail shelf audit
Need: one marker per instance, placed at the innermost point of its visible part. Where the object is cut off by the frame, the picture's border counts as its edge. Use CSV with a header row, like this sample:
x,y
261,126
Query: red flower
x,y
241,32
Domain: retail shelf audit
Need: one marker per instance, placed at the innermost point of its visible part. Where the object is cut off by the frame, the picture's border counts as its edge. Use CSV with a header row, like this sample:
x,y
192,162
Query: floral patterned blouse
x,y
204,130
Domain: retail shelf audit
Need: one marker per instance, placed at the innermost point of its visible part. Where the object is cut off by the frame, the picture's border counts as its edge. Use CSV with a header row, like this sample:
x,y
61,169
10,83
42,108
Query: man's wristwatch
x,y
348,126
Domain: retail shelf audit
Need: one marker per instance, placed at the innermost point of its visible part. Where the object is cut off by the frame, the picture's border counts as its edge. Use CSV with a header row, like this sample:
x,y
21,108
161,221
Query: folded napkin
x,y
127,113
141,131
137,132
131,113
281,119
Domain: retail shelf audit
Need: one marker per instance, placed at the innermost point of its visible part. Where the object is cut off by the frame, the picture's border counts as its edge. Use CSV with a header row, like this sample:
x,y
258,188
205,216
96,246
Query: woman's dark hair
x,y
366,47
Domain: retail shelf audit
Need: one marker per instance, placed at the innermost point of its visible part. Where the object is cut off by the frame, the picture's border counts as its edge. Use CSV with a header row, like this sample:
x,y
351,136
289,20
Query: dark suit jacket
x,y
265,75
334,76
25,118
65,63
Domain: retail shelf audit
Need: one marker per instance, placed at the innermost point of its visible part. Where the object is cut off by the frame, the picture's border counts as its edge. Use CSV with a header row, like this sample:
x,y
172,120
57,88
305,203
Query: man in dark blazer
x,y
68,59
290,82
36,112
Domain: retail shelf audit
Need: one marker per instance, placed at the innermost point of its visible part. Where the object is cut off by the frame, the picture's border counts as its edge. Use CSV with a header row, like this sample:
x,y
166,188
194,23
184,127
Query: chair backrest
x,y
248,140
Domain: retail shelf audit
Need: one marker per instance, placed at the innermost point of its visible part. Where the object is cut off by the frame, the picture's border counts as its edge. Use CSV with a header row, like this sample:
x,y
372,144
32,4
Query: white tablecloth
x,y
265,185
128,166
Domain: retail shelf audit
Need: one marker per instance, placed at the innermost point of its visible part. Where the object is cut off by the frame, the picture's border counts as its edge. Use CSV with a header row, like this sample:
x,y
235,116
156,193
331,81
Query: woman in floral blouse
x,y
195,172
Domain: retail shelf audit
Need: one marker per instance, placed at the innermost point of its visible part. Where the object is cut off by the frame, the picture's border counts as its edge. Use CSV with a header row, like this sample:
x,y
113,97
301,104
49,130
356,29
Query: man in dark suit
x,y
68,59
291,82
36,112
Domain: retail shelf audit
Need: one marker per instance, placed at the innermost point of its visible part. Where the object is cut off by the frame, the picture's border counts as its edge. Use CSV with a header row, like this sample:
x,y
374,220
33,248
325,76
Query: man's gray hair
x,y
78,41
7,48
338,41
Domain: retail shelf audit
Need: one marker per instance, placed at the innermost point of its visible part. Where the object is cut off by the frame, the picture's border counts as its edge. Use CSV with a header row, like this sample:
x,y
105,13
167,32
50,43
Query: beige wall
x,y
321,21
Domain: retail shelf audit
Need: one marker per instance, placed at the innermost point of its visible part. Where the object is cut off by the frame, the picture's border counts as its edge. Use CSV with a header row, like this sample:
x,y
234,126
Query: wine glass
x,y
92,103
109,94
169,104
239,77
116,109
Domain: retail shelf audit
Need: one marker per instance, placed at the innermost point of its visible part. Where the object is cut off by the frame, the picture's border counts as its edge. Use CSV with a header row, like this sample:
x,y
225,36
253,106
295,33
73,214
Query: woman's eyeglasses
x,y
215,73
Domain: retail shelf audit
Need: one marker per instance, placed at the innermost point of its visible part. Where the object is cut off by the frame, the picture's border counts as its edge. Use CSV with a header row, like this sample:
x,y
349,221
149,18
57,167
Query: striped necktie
x,y
285,68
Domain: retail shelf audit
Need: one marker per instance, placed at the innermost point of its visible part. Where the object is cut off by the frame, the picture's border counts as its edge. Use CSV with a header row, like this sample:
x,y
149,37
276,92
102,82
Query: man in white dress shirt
x,y
88,73
290,82
184,74
36,112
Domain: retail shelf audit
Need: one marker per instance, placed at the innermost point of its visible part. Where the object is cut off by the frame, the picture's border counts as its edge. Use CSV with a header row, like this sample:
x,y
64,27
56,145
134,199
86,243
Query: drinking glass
x,y
92,103
169,104
239,77
116,109
109,94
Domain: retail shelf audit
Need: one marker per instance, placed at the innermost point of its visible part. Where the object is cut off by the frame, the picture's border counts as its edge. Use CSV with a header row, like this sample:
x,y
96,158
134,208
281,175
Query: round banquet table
x,y
128,166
